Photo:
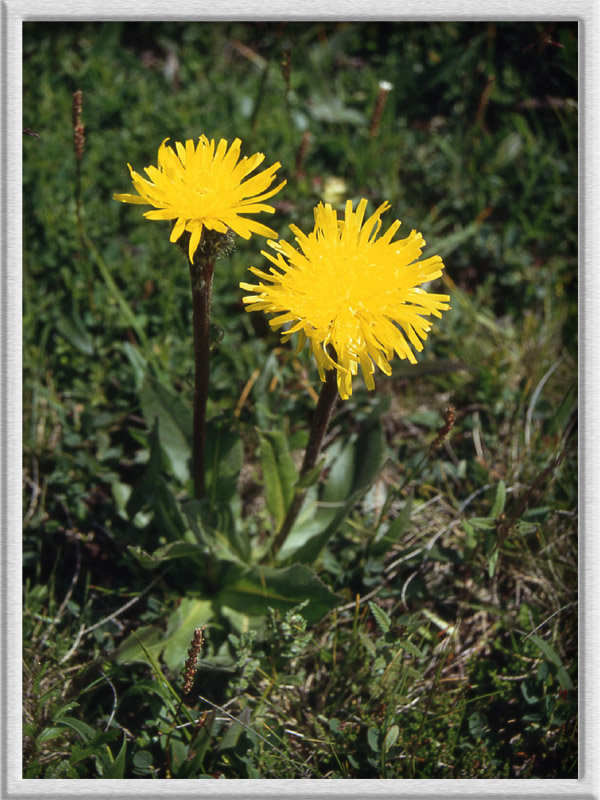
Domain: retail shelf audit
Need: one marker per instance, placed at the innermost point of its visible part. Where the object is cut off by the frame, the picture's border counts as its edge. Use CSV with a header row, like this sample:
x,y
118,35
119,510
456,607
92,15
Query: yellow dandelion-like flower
x,y
357,299
203,187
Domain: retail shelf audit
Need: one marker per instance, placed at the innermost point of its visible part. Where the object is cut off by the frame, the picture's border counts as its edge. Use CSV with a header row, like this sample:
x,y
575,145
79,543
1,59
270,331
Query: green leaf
x,y
121,493
565,679
384,623
240,622
536,513
478,724
394,532
138,363
493,561
279,473
373,739
261,393
224,460
175,423
341,478
483,523
74,331
491,544
565,409
216,528
425,418
231,737
370,455
528,691
131,650
367,643
499,502
411,648
154,492
546,649
86,732
391,738
143,760
64,709
166,512
191,613
167,552
50,733
312,476
254,590
333,110
179,753
117,768
350,475
192,765
167,692
508,150
553,657
95,747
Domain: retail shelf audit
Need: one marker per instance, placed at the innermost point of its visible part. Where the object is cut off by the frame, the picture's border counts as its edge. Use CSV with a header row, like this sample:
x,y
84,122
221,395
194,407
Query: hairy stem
x,y
201,276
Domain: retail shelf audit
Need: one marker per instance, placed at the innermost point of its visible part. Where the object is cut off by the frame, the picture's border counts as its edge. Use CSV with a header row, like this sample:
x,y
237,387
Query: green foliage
x,y
421,619
279,473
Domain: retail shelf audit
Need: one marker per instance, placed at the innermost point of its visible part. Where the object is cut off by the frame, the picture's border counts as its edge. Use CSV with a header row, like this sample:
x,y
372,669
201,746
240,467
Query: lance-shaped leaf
x,y
279,473
175,423
256,589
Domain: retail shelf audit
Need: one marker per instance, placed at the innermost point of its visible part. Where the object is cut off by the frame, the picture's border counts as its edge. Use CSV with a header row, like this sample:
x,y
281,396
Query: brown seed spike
x,y
78,126
384,89
450,417
192,659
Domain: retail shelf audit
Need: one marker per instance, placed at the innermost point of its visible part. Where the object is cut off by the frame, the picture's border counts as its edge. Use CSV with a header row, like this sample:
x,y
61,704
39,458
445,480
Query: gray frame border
x,y
12,14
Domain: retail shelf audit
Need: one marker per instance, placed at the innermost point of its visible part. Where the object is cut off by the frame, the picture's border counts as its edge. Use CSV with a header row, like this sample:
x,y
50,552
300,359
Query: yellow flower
x,y
203,187
355,298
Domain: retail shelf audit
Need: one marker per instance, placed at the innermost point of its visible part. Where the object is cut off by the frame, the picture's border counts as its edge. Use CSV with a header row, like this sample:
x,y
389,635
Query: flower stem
x,y
322,415
201,276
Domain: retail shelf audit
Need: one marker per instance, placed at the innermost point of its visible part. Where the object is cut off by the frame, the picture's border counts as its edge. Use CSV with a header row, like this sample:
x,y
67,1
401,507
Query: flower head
x,y
203,187
357,299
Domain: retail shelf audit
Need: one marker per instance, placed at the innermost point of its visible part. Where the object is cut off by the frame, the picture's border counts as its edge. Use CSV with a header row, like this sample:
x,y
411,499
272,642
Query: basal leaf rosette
x,y
357,299
205,187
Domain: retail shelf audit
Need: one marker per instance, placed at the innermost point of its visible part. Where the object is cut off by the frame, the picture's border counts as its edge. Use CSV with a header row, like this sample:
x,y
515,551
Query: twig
x,y
83,631
123,608
243,724
541,625
74,646
114,708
